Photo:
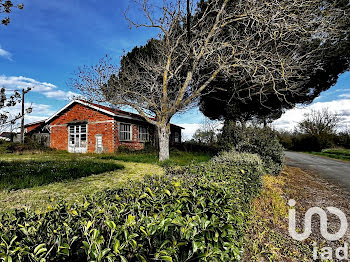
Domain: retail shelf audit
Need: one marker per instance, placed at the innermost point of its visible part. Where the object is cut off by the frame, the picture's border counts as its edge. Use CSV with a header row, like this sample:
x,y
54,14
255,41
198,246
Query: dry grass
x,y
267,233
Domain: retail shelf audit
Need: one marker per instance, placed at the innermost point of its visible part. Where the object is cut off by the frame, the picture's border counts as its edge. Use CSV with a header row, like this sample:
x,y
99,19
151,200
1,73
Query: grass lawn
x,y
45,177
19,174
176,158
342,154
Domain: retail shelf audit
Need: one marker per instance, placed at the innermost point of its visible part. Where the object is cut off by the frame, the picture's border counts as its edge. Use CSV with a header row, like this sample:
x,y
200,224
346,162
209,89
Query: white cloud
x,y
47,89
290,118
40,112
189,130
5,54
345,95
60,95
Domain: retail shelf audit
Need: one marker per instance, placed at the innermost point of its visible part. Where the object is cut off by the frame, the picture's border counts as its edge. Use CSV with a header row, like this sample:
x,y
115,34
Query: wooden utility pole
x,y
22,120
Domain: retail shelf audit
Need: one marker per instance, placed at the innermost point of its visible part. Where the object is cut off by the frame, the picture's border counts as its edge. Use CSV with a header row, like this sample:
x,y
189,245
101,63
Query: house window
x,y
176,137
78,136
125,132
143,134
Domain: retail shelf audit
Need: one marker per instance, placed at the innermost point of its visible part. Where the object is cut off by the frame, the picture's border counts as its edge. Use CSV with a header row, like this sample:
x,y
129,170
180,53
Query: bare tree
x,y
6,7
208,131
8,119
261,43
319,123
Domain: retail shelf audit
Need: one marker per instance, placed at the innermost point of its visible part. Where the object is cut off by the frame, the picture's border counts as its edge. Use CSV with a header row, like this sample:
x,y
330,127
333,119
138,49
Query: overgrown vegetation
x,y
316,132
267,237
192,213
39,198
255,140
27,174
305,142
342,154
177,157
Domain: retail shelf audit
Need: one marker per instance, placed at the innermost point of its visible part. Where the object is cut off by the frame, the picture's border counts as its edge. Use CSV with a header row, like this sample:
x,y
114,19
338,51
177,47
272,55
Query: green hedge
x,y
194,213
255,140
26,174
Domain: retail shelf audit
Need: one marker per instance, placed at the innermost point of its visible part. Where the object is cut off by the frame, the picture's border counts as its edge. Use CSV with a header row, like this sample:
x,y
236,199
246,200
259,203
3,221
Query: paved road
x,y
334,170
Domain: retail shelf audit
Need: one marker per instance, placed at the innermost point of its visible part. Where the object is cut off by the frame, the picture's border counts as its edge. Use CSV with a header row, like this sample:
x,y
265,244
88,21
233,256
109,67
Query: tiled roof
x,y
113,111
34,123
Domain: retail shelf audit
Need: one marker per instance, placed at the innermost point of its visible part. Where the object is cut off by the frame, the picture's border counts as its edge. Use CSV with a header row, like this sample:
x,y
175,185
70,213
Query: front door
x,y
77,138
99,145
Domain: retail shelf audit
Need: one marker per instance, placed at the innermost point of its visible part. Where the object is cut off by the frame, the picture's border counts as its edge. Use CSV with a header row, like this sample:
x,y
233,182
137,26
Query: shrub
x,y
29,145
286,139
255,140
27,174
125,149
193,213
192,146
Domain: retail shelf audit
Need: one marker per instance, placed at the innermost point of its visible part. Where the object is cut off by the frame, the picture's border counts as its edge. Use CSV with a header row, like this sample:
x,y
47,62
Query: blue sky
x,y
46,42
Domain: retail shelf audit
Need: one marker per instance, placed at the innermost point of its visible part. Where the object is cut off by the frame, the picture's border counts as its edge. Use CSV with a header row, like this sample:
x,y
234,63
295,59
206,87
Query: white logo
x,y
323,222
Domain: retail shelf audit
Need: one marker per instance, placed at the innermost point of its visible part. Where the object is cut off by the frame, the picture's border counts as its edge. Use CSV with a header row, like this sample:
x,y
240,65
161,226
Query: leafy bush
x,y
192,146
343,139
255,140
26,174
176,157
286,139
29,145
194,213
305,142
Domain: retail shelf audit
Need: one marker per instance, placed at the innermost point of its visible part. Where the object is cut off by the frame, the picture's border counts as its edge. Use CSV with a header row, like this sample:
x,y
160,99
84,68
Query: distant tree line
x,y
317,131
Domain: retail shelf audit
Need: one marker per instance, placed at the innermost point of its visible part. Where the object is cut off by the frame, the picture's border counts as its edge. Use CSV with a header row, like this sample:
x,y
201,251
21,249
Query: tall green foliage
x,y
255,140
194,213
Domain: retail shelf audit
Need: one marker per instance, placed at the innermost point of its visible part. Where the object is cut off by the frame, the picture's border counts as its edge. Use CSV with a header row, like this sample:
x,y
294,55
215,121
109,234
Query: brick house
x,y
85,127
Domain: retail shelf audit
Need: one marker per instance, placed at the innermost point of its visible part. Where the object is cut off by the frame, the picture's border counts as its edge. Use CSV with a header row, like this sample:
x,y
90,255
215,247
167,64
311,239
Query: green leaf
x,y
195,246
38,248
89,224
116,246
166,258
142,258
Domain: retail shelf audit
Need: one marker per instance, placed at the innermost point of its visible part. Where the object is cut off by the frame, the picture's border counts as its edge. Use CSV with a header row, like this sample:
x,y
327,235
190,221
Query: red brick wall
x,y
134,144
96,125
107,132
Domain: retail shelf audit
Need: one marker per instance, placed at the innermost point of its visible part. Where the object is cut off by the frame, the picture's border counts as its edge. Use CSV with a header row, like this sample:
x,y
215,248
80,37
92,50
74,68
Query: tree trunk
x,y
163,136
265,122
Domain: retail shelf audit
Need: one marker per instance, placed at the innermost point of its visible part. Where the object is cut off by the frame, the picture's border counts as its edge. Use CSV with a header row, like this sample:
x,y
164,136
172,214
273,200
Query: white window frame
x,y
77,133
120,132
142,134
